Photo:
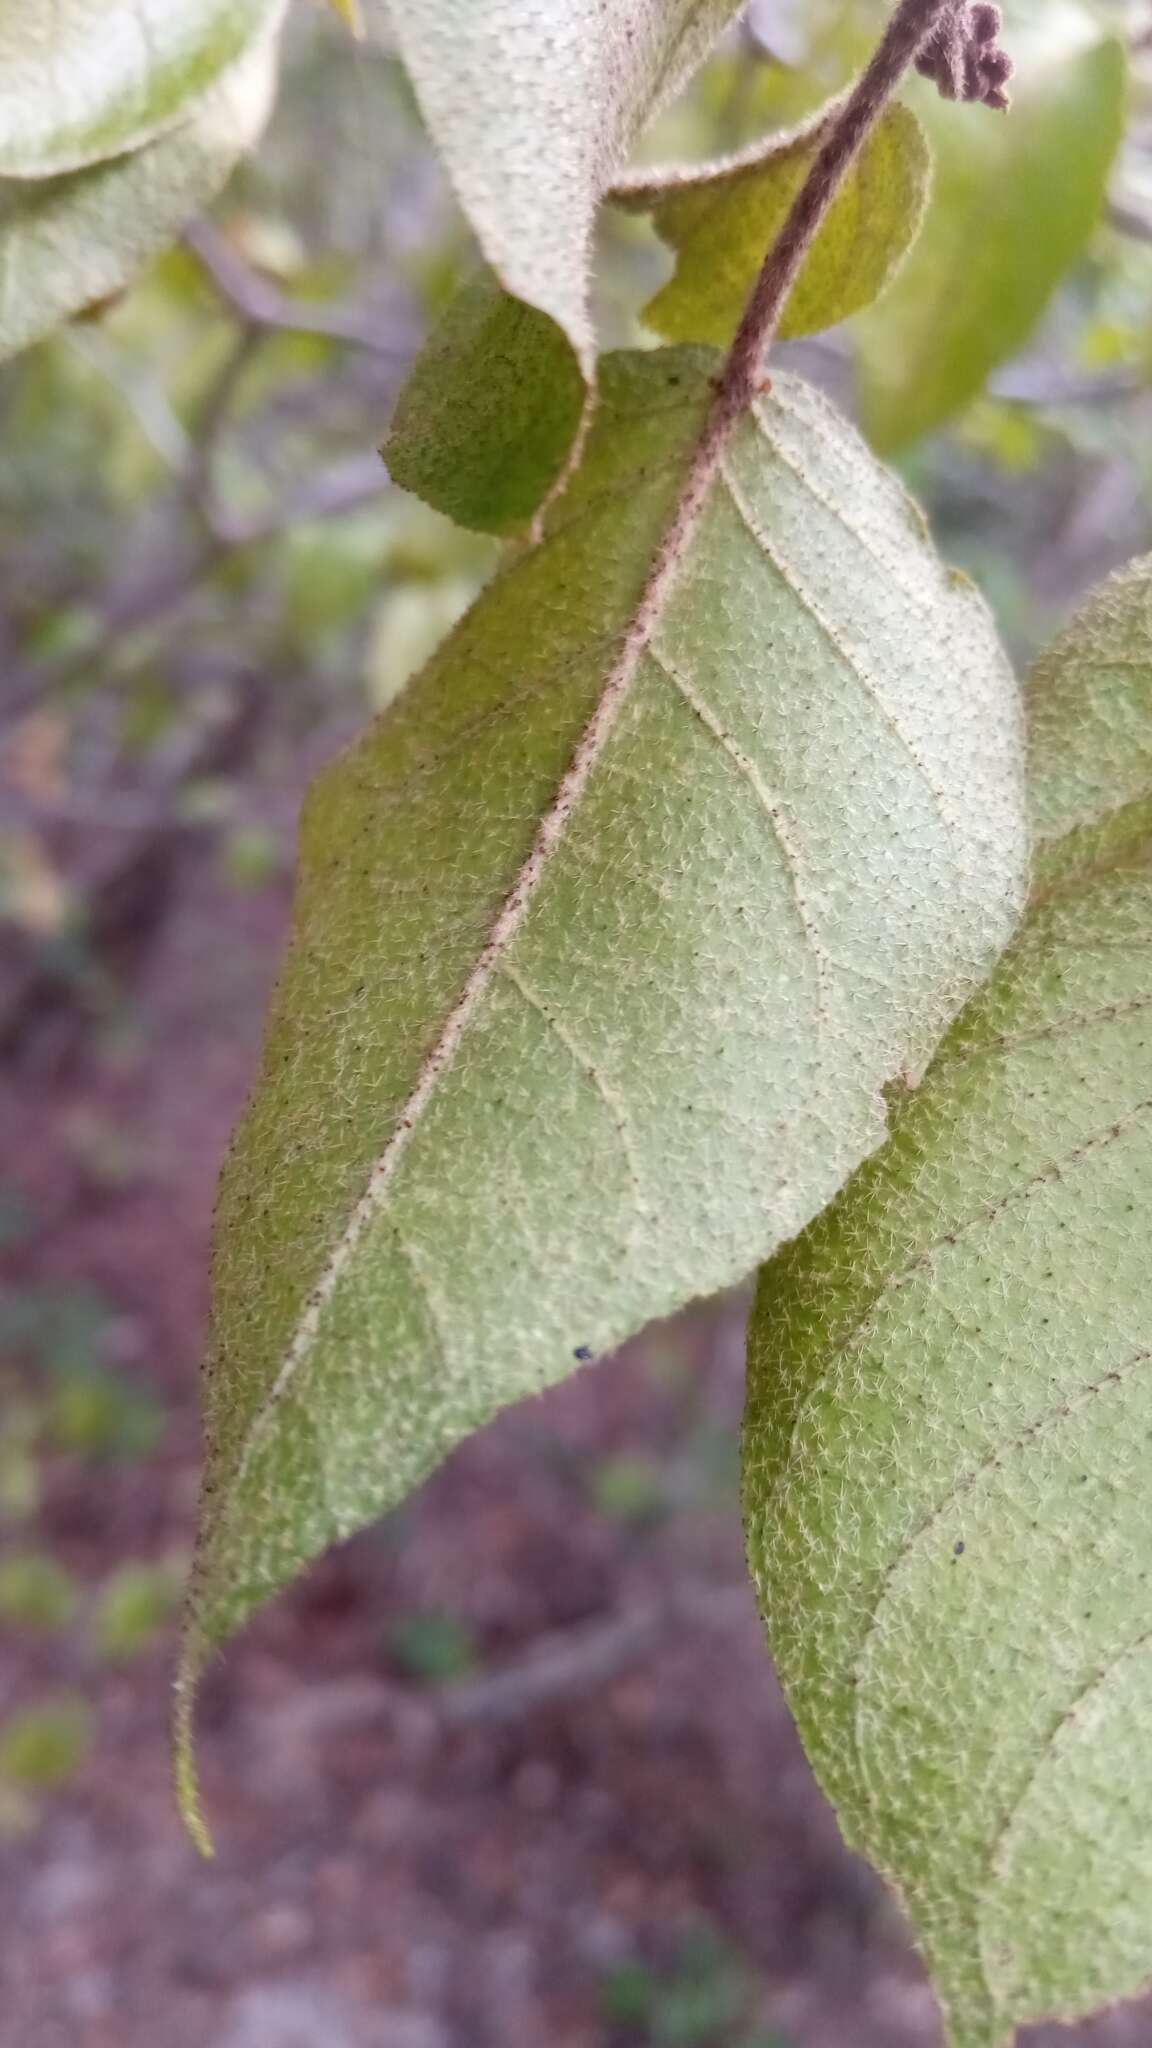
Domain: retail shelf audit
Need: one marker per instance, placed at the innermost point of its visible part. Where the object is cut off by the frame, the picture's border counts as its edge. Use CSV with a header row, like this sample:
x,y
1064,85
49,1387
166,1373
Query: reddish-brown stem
x,y
742,375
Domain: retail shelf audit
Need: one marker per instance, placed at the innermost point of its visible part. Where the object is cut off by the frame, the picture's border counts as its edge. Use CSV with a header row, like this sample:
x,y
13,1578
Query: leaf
x,y
607,936
534,109
1014,199
950,1413
82,80
721,217
67,242
491,411
487,418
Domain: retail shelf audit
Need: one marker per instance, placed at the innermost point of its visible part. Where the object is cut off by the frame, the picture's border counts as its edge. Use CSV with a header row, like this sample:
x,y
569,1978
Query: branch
x,y
913,23
555,1670
571,1663
742,377
261,304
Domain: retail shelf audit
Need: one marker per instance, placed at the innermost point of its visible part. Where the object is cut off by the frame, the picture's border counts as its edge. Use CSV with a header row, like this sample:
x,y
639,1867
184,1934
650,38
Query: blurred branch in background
x,y
261,304
196,531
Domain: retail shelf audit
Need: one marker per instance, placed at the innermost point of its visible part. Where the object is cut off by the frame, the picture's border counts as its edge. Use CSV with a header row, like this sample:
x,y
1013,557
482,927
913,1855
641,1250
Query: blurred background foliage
x,y
207,582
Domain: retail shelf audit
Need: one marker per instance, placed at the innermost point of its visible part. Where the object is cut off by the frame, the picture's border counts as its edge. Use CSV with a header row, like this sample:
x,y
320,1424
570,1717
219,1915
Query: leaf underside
x,y
949,1437
478,1154
534,109
68,242
83,80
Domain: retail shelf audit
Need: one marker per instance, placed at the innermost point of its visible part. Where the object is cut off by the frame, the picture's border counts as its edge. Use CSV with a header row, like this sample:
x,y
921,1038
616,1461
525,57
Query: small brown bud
x,y
963,58
983,22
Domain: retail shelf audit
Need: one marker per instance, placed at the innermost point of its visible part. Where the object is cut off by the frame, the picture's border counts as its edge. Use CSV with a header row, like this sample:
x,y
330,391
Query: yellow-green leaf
x,y
949,1437
492,409
608,936
721,219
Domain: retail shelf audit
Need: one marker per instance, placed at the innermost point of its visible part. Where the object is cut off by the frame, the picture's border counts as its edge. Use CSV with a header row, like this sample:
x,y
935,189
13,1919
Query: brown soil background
x,y
617,1784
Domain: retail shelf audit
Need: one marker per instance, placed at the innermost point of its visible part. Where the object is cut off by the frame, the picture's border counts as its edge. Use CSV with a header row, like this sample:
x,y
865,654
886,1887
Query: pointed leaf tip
x,y
535,109
607,938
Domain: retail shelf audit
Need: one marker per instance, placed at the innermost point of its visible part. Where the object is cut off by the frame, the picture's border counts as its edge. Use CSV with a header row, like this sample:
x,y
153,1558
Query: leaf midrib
x,y
667,556
706,470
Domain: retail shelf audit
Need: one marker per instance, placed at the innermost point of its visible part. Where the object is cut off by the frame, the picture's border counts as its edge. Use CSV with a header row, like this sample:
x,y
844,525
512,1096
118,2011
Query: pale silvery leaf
x,y
68,242
534,108
721,217
81,80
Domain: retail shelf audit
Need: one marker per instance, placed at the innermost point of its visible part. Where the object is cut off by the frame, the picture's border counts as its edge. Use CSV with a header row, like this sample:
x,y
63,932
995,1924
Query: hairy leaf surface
x,y
488,416
1014,199
534,108
67,242
81,80
607,938
948,1448
720,218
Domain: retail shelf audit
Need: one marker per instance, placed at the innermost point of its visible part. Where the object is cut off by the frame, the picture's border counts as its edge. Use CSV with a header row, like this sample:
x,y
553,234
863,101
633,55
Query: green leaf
x,y
947,1449
489,416
68,242
81,80
534,109
1014,199
486,421
607,937
720,218
535,116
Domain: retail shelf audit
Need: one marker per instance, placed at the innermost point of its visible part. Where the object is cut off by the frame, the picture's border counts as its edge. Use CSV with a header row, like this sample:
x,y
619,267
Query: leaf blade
x,y
720,218
70,241
553,1135
534,114
491,414
488,417
948,1403
84,80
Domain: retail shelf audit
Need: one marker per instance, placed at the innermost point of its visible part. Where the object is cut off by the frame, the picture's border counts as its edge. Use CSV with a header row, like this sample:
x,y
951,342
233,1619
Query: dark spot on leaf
x,y
958,1550
583,1352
